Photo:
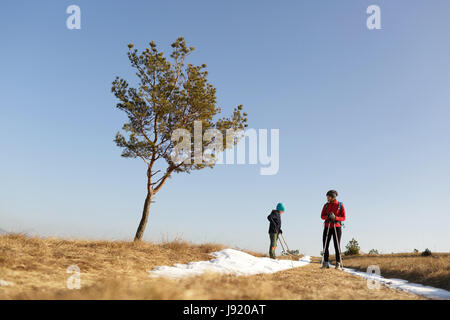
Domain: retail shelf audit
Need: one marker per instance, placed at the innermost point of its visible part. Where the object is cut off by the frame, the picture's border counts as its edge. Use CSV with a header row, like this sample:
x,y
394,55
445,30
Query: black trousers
x,y
326,242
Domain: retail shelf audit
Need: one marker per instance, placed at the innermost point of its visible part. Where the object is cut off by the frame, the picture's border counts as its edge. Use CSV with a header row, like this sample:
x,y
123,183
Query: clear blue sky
x,y
364,112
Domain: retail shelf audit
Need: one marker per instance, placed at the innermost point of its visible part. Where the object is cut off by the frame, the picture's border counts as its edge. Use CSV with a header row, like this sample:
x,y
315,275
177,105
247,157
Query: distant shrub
x,y
416,251
426,253
373,251
352,248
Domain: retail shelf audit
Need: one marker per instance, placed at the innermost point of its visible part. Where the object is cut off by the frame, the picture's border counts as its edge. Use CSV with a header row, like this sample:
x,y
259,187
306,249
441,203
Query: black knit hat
x,y
332,193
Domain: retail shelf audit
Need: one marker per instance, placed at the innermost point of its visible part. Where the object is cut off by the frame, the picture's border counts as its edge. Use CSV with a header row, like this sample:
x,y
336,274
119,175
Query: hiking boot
x,y
325,265
338,266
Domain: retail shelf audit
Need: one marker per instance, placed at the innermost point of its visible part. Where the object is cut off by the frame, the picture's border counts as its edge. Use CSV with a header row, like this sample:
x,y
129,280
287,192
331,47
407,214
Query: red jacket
x,y
333,207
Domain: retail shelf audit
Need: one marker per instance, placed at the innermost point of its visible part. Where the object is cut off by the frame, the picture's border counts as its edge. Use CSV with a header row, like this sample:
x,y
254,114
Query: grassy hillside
x,y
38,266
118,270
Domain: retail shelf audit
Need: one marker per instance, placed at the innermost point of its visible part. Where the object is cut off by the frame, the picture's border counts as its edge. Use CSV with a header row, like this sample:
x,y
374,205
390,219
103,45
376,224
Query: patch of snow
x,y
229,261
305,259
399,284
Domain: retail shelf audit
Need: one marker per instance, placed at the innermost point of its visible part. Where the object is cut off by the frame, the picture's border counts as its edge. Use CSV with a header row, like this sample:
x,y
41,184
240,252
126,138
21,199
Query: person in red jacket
x,y
333,213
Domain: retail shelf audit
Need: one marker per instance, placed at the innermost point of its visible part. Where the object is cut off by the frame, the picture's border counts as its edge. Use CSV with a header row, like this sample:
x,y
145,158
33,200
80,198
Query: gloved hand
x,y
332,217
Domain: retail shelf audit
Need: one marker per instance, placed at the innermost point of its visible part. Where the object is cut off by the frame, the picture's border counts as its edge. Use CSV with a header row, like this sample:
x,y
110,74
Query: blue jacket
x,y
275,222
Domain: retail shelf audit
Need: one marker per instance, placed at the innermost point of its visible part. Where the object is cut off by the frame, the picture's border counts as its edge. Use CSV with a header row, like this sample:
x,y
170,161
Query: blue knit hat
x,y
280,207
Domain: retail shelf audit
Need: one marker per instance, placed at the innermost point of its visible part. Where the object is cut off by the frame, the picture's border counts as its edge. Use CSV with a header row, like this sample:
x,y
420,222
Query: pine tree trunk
x,y
144,219
151,191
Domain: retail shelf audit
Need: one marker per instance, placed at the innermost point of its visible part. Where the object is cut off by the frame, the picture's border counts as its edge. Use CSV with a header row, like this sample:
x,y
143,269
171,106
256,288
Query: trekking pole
x,y
339,246
282,237
281,244
288,252
326,240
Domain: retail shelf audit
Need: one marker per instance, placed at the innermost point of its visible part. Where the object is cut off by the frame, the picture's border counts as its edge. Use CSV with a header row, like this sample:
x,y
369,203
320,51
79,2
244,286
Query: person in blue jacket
x,y
275,228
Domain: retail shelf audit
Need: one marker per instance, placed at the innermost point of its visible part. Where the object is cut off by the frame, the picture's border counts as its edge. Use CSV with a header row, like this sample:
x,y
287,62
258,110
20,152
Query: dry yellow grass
x,y
307,282
38,265
118,270
433,270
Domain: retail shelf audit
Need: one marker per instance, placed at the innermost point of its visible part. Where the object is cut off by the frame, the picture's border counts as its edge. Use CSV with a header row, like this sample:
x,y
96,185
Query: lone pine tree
x,y
169,95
